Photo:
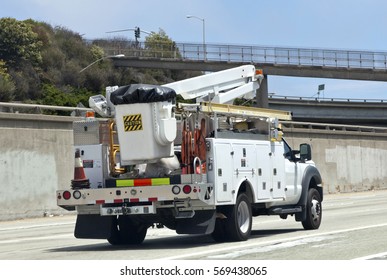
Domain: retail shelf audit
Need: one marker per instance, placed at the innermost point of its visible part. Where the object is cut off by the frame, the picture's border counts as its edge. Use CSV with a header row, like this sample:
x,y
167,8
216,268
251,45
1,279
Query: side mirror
x,y
305,152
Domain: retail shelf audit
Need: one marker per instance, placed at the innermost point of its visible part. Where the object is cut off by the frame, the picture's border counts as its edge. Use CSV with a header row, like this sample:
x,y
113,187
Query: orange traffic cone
x,y
80,180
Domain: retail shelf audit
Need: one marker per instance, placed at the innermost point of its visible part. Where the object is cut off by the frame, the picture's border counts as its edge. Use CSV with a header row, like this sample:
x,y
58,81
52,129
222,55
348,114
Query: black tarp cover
x,y
141,93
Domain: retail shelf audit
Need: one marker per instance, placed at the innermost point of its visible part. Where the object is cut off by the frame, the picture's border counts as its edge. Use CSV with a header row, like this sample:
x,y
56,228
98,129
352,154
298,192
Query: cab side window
x,y
287,151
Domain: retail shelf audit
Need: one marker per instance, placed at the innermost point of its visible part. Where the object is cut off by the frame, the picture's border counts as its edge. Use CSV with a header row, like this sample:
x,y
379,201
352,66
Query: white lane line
x,y
371,257
269,248
55,236
36,226
264,243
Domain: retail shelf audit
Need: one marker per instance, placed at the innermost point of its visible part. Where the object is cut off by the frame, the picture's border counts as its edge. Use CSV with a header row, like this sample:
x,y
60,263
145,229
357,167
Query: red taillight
x,y
187,189
66,195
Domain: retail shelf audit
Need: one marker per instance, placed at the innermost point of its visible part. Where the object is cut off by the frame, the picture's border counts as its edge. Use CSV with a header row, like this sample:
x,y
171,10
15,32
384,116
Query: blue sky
x,y
340,24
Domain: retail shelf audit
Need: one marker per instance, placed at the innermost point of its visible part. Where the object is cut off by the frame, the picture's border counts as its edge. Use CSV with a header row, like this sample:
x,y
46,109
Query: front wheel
x,y
313,210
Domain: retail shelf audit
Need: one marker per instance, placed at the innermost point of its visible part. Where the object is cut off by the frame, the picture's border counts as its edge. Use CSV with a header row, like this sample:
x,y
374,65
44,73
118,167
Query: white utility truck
x,y
202,168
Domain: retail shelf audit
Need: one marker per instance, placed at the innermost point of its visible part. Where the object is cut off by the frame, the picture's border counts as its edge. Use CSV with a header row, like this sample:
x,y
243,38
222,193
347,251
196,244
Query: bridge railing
x,y
9,107
334,129
282,98
257,54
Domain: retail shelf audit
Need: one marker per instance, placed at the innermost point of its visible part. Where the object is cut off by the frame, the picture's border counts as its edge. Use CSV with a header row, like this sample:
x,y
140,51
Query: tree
x,y
7,87
63,97
41,63
18,42
161,46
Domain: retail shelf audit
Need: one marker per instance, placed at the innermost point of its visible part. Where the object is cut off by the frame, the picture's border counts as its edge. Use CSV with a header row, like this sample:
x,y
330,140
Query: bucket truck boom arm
x,y
220,87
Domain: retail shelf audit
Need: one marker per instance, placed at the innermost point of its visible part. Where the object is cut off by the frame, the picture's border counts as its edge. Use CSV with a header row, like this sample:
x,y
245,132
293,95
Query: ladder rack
x,y
227,109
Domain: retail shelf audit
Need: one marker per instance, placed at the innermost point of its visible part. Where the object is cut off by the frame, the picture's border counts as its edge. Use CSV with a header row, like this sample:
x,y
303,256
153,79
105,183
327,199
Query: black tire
x,y
219,233
127,232
239,220
131,232
313,210
114,238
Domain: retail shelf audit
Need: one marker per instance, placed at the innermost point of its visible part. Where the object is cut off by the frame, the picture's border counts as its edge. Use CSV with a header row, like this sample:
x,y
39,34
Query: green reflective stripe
x,y
160,181
124,183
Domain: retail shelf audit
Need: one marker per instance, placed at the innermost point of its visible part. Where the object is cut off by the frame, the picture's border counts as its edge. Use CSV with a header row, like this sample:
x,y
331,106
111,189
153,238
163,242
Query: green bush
x,y
41,63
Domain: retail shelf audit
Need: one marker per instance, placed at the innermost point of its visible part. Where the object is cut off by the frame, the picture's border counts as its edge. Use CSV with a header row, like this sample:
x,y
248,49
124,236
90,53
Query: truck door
x,y
291,173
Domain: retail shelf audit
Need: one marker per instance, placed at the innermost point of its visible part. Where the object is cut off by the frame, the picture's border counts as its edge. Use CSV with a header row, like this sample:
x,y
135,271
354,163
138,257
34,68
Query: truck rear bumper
x,y
144,194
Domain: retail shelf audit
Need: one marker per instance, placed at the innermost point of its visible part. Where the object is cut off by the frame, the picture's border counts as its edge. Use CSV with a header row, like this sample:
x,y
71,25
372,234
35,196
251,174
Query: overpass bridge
x,y
333,110
294,62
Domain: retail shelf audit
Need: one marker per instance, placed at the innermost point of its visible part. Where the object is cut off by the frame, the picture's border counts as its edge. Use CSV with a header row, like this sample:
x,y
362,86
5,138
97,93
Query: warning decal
x,y
132,122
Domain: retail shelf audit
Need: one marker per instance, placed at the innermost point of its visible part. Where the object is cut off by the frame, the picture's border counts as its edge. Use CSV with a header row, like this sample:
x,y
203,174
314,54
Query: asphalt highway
x,y
354,227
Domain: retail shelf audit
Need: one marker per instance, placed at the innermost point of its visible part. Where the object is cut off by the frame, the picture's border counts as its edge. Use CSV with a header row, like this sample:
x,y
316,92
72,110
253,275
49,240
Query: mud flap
x,y
203,222
300,217
93,226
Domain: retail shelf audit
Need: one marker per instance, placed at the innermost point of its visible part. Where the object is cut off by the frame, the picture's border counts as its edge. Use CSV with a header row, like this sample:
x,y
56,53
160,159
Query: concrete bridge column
x,y
262,97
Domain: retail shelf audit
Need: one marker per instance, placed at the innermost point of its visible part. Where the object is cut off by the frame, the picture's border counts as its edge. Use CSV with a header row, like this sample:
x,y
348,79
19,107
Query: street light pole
x,y
204,33
102,58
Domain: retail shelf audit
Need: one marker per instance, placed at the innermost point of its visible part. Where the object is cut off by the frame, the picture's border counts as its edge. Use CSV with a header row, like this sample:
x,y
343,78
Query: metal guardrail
x,y
325,128
322,99
348,59
37,108
290,126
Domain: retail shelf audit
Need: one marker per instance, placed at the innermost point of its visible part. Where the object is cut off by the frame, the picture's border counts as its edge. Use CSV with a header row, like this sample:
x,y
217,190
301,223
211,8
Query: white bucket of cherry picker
x,y
146,131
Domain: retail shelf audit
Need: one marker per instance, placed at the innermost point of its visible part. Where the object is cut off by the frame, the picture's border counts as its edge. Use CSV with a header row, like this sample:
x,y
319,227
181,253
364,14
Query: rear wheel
x,y
313,210
114,238
127,232
219,234
239,219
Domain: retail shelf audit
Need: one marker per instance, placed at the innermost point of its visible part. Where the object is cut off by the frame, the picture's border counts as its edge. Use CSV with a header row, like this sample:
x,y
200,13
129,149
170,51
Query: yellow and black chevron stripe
x,y
132,122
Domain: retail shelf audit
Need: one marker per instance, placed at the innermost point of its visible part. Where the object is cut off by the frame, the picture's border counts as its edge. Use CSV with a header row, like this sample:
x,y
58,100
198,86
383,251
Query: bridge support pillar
x,y
262,97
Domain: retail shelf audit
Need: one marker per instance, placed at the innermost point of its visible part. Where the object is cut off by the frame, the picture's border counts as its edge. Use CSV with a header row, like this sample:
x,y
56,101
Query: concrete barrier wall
x,y
349,161
37,158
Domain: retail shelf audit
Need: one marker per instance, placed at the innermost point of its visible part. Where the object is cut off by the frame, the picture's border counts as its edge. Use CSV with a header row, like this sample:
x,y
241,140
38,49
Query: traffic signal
x,y
137,32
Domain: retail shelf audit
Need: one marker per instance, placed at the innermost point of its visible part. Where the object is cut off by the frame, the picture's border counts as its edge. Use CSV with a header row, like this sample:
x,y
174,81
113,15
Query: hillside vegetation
x,y
41,64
